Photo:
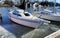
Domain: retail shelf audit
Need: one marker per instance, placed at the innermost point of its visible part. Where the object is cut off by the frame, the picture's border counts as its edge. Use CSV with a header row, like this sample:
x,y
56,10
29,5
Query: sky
x,y
39,0
49,0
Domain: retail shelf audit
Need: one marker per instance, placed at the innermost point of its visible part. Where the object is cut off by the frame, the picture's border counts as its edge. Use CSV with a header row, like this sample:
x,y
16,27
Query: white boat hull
x,y
50,17
30,21
26,23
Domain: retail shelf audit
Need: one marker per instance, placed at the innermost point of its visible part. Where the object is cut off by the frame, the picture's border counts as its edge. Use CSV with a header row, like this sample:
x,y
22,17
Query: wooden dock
x,y
54,35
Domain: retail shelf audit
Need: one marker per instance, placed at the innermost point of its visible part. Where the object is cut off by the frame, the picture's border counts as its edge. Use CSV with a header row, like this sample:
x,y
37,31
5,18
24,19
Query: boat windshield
x,y
26,14
16,13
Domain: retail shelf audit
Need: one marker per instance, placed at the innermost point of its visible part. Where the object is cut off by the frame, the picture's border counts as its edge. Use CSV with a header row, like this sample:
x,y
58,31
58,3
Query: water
x,y
5,18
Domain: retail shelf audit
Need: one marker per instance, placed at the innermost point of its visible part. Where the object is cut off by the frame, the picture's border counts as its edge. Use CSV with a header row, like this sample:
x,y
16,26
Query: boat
x,y
49,15
25,18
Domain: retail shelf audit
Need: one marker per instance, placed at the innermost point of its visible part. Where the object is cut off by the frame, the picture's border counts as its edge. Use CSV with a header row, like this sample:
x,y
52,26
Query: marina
x,y
18,30
29,22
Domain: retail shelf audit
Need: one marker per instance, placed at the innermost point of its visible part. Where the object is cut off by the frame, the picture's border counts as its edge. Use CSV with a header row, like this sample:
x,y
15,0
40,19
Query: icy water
x,y
9,29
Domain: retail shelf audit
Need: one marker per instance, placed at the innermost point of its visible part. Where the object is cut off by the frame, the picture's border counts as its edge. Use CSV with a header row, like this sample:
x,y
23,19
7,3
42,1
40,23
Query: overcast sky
x,y
39,0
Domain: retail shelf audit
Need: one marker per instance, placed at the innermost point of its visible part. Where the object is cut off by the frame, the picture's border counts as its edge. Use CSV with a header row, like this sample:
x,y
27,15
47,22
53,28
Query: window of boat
x,y
16,13
26,14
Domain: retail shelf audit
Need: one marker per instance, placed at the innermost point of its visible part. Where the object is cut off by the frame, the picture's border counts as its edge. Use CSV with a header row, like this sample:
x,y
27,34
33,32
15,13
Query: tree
x,y
10,3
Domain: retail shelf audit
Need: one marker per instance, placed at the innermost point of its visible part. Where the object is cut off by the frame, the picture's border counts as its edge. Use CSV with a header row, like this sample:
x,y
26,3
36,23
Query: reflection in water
x,y
5,18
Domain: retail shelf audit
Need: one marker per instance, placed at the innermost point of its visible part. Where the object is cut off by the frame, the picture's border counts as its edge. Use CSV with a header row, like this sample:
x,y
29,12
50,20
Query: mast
x,y
26,4
45,0
42,0
21,1
22,4
54,6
